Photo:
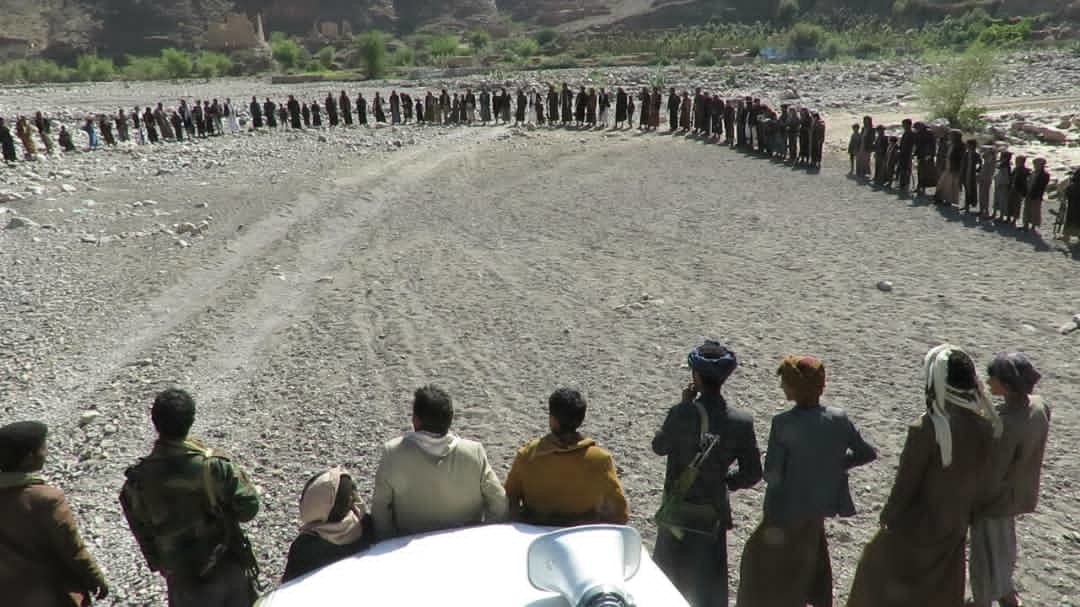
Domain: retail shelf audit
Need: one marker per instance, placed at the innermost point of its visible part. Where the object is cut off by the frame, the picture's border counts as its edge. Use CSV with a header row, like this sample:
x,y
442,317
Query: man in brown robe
x,y
917,557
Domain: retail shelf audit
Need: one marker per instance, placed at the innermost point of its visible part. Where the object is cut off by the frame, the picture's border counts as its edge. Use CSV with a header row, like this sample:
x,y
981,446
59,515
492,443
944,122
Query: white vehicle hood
x,y
475,567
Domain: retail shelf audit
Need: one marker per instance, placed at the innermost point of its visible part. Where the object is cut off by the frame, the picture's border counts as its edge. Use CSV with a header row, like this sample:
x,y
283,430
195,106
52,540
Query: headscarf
x,y
804,376
713,360
939,394
1015,371
18,440
317,502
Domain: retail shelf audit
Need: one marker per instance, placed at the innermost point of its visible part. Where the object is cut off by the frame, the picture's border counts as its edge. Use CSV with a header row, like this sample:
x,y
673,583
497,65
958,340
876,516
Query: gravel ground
x,y
331,278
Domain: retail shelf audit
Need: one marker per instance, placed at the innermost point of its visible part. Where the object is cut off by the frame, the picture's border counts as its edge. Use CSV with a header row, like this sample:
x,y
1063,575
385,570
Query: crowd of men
x,y
966,471
984,180
791,133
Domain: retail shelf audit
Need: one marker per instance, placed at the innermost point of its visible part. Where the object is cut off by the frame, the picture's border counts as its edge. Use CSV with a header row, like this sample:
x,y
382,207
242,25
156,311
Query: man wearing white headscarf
x,y
917,557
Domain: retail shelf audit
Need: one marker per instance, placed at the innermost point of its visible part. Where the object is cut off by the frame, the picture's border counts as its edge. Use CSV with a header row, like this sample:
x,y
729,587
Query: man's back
x,y
426,483
1018,458
177,501
807,461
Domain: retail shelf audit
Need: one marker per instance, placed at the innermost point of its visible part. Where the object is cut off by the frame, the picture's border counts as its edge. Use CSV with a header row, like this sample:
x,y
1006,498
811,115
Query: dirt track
x,y
500,267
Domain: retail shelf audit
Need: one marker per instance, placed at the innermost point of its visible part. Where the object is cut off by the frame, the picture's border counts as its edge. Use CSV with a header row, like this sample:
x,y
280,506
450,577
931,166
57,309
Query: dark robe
x,y
917,557
620,107
969,173
7,144
701,113
294,113
270,110
522,104
316,114
331,110
65,141
121,127
380,114
346,109
419,111
553,106
177,126
673,110
579,109
697,564
361,110
904,152
305,114
567,104
256,115
485,106
151,128
1071,216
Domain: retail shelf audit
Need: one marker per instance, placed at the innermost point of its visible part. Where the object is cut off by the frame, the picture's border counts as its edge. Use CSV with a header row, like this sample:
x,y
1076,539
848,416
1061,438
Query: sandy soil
x,y
502,265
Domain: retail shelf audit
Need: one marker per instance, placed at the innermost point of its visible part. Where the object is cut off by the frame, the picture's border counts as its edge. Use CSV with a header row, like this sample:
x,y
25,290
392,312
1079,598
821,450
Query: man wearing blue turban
x,y
702,438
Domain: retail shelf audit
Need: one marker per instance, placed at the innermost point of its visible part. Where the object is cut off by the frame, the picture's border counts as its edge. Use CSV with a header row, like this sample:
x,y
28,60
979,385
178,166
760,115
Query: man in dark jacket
x,y
43,561
811,449
184,503
691,547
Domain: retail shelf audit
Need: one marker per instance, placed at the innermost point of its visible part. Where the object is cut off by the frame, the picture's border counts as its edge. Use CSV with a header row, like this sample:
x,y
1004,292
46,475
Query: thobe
x,y
346,109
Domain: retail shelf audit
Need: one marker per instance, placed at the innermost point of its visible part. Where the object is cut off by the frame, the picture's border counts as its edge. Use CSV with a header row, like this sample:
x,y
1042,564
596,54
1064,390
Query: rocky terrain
x,y
303,284
64,28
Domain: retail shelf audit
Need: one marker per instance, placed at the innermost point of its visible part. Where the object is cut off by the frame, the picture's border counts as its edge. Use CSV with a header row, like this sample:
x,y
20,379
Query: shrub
x,y
372,48
705,59
1006,34
479,40
404,55
94,68
523,47
951,91
804,39
325,57
546,36
177,63
446,45
209,64
286,52
558,62
144,68
831,49
787,11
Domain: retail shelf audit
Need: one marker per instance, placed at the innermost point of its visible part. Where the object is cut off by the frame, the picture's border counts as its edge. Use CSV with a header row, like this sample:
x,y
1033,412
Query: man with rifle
x,y
702,437
184,503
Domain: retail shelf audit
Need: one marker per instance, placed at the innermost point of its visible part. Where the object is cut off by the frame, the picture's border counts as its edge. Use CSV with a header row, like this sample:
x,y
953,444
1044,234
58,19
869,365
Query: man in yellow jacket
x,y
564,479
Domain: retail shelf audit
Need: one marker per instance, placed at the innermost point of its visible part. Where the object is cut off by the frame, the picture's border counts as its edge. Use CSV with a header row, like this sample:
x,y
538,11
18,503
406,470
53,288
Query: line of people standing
x,y
985,180
964,464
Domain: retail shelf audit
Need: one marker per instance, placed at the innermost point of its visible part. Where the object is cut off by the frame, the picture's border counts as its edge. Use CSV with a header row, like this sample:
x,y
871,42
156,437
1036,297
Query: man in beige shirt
x,y
430,479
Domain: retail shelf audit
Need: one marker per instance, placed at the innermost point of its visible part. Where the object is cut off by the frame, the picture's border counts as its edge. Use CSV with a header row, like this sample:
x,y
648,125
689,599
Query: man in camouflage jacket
x,y
184,503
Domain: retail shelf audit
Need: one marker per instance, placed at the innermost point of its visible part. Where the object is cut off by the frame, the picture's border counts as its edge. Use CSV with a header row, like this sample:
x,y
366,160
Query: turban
x,y
318,501
18,440
939,394
804,376
1015,371
713,361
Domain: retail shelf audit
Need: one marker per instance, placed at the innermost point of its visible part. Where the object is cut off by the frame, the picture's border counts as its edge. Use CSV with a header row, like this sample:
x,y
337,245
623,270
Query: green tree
x,y
951,90
804,39
209,64
546,36
372,53
177,63
787,11
325,57
445,45
144,68
94,68
286,52
479,40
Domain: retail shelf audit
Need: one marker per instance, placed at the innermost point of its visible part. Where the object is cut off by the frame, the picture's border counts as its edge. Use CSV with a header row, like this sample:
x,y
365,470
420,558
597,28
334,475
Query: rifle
x,y
679,516
235,544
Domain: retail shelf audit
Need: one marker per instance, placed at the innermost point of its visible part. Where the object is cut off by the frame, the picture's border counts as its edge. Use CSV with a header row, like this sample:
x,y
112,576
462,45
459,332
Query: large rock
x,y
1052,135
20,222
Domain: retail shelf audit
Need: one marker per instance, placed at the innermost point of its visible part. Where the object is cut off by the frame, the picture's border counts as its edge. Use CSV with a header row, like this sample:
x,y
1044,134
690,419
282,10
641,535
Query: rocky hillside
x,y
63,28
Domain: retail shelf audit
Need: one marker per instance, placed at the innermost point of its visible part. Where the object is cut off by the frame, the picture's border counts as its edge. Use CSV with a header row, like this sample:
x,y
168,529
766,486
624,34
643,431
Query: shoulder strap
x,y
703,416
208,481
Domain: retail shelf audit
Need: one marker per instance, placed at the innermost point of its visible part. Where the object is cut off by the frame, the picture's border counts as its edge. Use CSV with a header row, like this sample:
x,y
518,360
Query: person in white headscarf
x,y
334,524
917,557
